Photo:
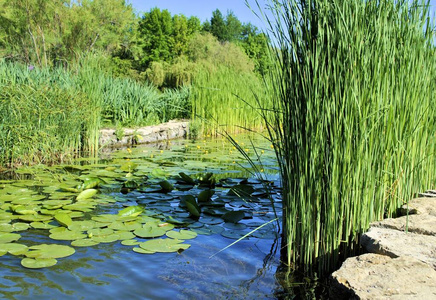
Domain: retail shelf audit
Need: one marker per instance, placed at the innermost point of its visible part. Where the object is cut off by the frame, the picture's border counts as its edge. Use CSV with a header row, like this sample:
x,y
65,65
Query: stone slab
x,y
421,224
373,276
422,205
396,243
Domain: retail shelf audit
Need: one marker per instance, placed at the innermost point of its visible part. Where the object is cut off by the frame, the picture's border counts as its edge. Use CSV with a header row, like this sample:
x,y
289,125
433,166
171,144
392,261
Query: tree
x,y
218,25
156,36
233,30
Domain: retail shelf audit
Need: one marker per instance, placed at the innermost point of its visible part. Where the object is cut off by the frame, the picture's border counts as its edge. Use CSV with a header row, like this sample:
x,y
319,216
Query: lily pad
x,y
84,243
164,245
131,242
149,231
233,216
9,237
86,194
63,219
182,234
50,251
13,248
132,211
142,251
68,235
38,263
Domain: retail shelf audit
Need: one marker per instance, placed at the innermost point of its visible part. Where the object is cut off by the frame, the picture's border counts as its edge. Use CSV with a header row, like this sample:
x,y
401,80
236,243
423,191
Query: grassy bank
x,y
51,114
353,119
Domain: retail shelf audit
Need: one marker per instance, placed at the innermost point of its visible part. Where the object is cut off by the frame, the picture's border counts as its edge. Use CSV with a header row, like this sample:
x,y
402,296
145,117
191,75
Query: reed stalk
x,y
351,119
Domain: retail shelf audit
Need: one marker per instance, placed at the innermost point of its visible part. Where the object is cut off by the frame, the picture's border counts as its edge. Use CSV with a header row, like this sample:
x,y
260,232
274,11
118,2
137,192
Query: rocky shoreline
x,y
173,129
401,263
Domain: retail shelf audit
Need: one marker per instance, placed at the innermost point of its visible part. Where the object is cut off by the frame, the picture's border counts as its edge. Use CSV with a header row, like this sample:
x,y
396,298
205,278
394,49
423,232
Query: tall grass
x,y
216,99
353,122
49,114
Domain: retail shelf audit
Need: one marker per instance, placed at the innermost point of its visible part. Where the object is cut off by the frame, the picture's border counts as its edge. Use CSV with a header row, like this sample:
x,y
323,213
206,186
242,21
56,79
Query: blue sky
x,y
204,8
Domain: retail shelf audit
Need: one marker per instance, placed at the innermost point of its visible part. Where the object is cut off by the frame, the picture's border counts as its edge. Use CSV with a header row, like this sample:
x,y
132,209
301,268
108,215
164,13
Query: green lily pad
x,y
63,219
182,234
68,235
8,237
110,238
13,248
50,251
125,235
166,186
132,211
186,178
205,195
35,218
149,231
82,225
38,263
142,251
86,194
41,225
164,245
233,216
84,243
131,242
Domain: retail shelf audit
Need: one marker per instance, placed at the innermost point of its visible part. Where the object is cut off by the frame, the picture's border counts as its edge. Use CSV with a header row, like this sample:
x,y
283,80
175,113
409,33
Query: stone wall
x,y
167,131
401,263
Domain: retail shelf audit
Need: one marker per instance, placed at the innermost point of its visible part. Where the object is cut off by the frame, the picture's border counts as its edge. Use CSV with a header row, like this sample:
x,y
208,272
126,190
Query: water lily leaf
x,y
68,235
100,232
164,245
86,194
84,243
131,242
233,216
63,219
110,238
233,234
186,178
159,173
83,207
13,248
25,210
35,218
166,186
191,205
205,195
41,225
38,263
149,231
182,234
82,225
129,166
125,235
8,237
241,190
50,251
132,211
142,251
91,182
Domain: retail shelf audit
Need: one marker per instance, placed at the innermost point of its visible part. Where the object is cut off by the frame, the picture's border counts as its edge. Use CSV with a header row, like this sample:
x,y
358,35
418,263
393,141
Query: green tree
x,y
233,27
218,25
156,36
255,45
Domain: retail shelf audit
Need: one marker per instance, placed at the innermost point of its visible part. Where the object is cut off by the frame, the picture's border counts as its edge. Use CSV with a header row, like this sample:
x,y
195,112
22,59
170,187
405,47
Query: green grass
x,y
352,119
51,114
223,99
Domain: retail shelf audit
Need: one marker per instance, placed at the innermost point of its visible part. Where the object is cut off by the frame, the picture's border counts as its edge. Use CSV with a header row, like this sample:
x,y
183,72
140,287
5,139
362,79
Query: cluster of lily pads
x,y
146,208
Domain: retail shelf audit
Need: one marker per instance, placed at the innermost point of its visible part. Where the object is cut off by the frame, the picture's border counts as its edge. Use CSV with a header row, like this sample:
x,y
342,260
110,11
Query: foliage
x,y
352,90
53,32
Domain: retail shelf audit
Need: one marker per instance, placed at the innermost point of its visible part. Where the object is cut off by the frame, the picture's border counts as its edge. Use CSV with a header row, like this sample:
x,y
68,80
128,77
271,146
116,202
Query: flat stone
x,y
373,276
423,205
421,224
396,243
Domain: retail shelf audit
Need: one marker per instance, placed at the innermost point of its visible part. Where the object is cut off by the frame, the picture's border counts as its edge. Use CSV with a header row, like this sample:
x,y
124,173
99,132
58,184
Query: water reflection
x,y
108,271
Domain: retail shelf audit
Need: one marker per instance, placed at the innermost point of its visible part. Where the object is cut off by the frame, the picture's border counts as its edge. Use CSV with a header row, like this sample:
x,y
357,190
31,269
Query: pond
x,y
152,222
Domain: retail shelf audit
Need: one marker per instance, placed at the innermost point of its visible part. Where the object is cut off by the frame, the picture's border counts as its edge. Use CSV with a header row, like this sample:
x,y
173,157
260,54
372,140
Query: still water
x,y
111,270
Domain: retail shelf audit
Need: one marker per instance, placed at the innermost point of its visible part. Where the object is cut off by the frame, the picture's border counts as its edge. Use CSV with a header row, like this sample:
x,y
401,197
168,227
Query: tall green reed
x,y
216,99
351,119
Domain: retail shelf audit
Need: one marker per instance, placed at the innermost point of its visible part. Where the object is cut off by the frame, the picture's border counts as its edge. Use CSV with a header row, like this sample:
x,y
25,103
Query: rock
x,y
421,224
373,276
423,205
396,243
167,131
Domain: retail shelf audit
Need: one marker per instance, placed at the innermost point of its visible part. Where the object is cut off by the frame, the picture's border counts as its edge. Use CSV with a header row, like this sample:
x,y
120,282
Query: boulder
x,y
374,276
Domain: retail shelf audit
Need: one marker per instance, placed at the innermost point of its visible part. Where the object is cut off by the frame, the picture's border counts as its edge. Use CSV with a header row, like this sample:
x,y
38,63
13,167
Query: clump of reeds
x,y
351,119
